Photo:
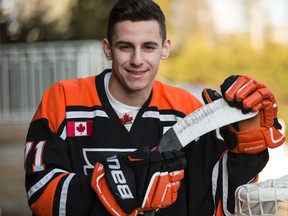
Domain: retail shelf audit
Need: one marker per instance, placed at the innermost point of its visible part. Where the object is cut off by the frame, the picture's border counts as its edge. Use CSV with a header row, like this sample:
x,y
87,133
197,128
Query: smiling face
x,y
135,52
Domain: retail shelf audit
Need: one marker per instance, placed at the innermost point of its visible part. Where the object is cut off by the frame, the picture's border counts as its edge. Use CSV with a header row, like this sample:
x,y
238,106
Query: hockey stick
x,y
203,120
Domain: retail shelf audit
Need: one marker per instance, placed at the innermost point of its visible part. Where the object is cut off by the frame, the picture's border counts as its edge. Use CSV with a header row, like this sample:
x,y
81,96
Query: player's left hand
x,y
143,180
256,134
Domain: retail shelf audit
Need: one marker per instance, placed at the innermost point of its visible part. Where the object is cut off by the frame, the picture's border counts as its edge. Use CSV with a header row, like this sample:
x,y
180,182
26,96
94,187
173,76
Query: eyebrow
x,y
123,42
131,44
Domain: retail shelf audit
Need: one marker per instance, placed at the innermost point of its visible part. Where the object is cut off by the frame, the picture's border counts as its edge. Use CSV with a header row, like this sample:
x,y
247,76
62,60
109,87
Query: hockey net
x,y
264,198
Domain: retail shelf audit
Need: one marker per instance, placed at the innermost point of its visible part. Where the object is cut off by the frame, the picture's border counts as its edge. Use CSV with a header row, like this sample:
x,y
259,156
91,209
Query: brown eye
x,y
125,48
149,48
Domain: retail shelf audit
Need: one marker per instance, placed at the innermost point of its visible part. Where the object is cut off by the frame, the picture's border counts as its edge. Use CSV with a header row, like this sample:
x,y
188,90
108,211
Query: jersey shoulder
x,y
75,92
171,97
79,92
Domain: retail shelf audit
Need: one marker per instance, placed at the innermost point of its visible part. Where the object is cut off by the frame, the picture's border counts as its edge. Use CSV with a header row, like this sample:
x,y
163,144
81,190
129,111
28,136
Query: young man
x,y
90,146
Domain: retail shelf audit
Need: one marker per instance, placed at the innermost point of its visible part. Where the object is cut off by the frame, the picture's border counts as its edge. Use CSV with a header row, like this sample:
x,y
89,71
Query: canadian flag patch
x,y
76,129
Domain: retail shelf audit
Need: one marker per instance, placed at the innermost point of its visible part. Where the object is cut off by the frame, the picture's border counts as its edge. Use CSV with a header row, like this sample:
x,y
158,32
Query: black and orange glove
x,y
140,181
253,135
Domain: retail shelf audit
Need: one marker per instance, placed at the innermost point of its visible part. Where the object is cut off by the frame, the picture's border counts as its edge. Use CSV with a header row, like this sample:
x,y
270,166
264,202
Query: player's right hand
x,y
256,134
140,181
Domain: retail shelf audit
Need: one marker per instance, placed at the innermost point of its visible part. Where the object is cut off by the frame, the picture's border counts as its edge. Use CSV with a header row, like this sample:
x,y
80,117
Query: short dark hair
x,y
136,10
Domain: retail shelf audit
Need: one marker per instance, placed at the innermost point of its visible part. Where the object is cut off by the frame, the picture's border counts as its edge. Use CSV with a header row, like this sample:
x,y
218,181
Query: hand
x,y
143,180
250,136
249,94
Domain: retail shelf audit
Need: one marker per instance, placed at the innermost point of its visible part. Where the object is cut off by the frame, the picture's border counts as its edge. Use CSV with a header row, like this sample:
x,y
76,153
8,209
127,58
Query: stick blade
x,y
169,142
203,120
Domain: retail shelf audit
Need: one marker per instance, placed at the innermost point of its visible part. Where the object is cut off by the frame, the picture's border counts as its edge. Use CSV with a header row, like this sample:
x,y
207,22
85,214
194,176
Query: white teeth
x,y
136,73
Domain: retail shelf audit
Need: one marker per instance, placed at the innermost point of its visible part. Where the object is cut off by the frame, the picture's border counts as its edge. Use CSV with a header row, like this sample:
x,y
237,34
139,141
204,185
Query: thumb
x,y
210,95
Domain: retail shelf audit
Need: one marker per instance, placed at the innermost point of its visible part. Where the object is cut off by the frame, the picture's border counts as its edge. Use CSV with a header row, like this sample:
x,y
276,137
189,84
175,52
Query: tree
x,y
90,19
50,20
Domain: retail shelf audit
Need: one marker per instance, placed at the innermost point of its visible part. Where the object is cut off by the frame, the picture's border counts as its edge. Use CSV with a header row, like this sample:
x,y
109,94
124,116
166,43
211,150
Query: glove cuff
x,y
256,141
273,137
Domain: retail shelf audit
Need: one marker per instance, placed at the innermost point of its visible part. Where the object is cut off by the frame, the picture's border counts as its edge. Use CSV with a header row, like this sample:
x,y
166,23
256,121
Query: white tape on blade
x,y
208,118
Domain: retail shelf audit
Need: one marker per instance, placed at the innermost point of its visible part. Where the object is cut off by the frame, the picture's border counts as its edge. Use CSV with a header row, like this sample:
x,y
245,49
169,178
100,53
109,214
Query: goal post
x,y
265,198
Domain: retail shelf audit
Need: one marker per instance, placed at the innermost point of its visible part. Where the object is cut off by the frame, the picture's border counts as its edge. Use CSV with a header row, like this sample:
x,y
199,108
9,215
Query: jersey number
x,y
38,164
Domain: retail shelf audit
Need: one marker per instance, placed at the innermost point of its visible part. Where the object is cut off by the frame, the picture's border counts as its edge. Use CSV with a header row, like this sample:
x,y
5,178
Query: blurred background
x,y
43,41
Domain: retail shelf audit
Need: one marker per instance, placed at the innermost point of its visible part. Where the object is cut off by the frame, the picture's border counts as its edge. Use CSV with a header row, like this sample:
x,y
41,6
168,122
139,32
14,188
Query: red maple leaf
x,y
126,119
80,128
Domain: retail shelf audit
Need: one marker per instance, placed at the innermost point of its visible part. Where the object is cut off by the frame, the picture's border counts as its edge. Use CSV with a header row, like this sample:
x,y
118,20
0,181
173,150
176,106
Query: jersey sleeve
x,y
52,188
233,170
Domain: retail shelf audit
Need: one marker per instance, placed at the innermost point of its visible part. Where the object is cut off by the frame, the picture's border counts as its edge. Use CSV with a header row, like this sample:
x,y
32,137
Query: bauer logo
x,y
76,129
119,178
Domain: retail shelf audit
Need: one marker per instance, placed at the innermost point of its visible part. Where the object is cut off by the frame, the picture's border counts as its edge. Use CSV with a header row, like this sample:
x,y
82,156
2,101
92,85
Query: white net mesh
x,y
264,198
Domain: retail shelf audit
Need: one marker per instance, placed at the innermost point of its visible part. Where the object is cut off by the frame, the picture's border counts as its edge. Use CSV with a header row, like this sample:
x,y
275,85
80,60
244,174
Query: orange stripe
x,y
219,211
44,204
255,179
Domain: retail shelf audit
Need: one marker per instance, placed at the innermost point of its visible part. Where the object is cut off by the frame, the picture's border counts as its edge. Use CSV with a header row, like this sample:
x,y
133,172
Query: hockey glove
x,y
253,135
143,180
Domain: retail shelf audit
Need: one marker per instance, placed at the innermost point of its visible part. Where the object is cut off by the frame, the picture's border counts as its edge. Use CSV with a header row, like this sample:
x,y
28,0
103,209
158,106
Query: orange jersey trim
x,y
219,211
44,204
164,94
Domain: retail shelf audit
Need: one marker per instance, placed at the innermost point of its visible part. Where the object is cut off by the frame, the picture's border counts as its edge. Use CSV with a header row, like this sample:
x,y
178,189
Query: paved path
x,y
13,200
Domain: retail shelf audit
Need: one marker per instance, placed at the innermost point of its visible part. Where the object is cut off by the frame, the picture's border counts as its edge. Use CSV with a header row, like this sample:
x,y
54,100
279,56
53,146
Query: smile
x,y
136,72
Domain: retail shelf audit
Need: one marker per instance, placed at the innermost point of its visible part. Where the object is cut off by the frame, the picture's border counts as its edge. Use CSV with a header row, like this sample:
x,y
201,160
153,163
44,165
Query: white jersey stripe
x,y
225,184
100,113
64,194
43,182
85,114
215,174
162,117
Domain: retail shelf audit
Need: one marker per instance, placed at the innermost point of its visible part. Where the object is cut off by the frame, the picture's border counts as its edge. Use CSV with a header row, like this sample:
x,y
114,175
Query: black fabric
x,y
242,168
128,176
199,171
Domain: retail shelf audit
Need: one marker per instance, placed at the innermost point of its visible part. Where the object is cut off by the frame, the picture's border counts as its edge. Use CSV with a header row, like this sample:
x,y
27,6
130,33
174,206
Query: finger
x,y
266,93
245,90
232,91
227,84
176,175
268,113
210,95
171,194
253,101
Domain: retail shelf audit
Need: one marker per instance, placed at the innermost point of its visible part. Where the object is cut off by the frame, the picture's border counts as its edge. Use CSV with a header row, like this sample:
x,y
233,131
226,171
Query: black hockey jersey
x,y
75,126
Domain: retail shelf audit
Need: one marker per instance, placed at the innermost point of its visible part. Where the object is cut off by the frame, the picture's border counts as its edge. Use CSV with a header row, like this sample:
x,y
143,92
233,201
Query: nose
x,y
136,58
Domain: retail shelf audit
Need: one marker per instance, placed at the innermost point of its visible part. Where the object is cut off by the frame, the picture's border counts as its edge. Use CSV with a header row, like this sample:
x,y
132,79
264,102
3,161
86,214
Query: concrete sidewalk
x,y
13,201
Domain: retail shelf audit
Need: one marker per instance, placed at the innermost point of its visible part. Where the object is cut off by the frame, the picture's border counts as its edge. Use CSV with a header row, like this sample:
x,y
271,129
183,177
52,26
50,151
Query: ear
x,y
107,49
166,49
